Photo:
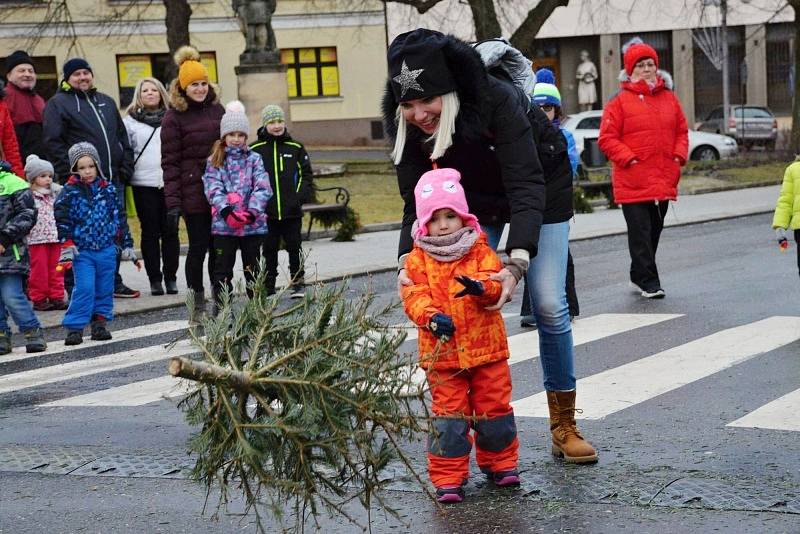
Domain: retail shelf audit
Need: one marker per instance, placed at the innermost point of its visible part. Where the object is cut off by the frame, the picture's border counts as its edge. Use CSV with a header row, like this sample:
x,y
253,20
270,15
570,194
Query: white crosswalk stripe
x,y
525,346
58,347
90,366
781,414
613,390
599,395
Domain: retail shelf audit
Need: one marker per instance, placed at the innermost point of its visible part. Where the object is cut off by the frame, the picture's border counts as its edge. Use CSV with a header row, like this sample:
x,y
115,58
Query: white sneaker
x,y
655,294
297,294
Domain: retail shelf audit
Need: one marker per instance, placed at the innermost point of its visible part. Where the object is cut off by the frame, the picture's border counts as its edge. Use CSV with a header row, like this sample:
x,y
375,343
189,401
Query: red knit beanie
x,y
637,52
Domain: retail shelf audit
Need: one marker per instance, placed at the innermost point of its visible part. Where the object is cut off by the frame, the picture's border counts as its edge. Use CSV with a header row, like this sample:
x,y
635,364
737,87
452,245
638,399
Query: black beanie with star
x,y
417,66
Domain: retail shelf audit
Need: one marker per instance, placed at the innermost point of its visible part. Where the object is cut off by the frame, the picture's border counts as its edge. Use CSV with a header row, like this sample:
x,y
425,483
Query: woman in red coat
x,y
8,139
645,136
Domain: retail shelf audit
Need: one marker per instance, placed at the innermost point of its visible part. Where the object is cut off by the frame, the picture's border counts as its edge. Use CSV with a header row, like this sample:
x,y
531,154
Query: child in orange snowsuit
x,y
462,346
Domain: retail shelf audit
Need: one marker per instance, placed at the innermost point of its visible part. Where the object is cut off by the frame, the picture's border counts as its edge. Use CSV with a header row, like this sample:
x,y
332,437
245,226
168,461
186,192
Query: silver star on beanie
x,y
408,79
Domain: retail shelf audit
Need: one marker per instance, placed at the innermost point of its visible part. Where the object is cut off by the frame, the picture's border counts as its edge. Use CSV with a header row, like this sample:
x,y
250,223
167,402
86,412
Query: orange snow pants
x,y
477,399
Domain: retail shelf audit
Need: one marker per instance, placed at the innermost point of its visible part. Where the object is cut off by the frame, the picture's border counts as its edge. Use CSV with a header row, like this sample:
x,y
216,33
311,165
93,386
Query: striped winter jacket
x,y
241,183
480,335
290,174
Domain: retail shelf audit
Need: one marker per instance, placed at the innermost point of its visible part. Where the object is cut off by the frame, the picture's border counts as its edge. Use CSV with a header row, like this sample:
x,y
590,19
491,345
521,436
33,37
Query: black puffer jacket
x,y
493,149
290,175
17,217
72,116
188,132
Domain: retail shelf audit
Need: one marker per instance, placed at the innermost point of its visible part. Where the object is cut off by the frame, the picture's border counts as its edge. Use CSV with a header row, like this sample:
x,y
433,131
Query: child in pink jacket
x,y
45,283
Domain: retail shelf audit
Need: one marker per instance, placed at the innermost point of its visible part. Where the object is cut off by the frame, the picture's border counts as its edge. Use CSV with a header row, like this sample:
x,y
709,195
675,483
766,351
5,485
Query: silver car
x,y
749,125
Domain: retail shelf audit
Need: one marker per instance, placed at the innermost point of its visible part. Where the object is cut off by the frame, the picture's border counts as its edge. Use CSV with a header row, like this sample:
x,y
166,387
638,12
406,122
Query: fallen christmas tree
x,y
301,406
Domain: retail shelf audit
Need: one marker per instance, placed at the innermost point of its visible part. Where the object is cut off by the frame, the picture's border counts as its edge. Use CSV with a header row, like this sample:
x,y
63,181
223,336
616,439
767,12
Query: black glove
x,y
471,287
5,166
442,326
173,217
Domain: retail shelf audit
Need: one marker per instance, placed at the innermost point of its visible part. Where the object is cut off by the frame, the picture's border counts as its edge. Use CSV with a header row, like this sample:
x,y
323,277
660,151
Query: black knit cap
x,y
18,57
76,63
417,66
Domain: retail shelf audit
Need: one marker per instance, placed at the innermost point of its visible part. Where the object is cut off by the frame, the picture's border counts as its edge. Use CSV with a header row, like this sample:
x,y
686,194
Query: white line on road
x,y
90,366
781,414
134,394
525,346
615,389
58,347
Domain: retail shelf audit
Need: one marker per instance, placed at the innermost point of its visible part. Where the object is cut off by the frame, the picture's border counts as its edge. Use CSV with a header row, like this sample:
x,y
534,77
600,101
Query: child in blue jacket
x,y
91,225
237,187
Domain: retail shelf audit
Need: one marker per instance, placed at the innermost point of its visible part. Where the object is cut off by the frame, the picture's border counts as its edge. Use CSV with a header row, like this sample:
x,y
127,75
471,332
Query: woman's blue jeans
x,y
546,280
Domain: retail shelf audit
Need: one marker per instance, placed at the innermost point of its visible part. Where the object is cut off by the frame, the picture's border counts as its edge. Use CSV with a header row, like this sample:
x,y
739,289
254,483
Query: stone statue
x,y
255,18
586,75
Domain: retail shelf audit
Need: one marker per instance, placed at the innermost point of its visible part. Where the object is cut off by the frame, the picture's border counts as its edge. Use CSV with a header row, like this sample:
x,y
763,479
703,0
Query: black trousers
x,y
797,240
159,240
645,220
291,232
572,295
225,248
198,227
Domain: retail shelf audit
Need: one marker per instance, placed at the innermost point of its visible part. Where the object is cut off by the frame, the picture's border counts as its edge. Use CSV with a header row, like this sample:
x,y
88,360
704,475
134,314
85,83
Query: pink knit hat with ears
x,y
437,189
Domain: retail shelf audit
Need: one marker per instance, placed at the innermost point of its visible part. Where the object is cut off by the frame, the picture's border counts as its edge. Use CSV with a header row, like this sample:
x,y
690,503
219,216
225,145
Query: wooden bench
x,y
337,208
597,187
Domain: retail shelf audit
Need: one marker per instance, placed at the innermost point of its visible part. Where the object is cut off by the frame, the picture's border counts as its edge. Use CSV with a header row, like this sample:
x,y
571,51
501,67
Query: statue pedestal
x,y
261,84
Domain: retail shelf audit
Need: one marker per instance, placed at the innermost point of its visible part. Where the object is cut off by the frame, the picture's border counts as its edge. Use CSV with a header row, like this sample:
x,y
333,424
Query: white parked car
x,y
702,145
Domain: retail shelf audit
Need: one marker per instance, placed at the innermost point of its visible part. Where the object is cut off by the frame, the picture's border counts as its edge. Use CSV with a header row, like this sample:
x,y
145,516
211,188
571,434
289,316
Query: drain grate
x,y
622,484
727,495
138,465
44,459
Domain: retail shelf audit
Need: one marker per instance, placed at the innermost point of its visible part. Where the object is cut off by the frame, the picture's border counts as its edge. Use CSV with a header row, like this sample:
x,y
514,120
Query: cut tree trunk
x,y
208,372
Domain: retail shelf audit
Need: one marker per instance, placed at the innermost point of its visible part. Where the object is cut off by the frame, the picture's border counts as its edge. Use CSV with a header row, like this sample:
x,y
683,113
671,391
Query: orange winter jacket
x,y
480,335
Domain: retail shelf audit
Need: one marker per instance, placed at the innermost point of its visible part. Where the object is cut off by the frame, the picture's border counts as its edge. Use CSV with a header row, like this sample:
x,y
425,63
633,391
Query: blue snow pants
x,y
94,287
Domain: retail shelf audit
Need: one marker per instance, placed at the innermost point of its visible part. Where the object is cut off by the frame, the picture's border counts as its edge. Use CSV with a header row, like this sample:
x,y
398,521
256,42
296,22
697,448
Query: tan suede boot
x,y
567,440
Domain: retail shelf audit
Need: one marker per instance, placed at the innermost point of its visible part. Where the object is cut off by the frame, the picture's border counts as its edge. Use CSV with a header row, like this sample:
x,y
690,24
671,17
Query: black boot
x,y
99,330
5,343
172,287
34,340
156,289
74,337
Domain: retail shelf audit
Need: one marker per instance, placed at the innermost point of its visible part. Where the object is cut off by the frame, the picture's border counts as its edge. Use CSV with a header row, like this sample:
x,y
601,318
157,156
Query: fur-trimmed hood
x,y
664,75
179,101
469,74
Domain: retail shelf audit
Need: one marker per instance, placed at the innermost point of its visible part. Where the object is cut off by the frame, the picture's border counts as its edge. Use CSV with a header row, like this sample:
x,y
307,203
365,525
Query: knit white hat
x,y
234,120
35,166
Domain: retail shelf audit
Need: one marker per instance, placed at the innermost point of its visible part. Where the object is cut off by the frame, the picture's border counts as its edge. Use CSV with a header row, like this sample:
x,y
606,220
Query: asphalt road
x,y
692,402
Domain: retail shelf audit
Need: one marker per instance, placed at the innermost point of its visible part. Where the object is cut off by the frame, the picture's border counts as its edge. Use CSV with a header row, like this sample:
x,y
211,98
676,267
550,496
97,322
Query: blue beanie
x,y
545,90
76,63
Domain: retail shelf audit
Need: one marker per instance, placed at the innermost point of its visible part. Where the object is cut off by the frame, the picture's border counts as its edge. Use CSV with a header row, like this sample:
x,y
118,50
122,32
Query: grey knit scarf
x,y
450,247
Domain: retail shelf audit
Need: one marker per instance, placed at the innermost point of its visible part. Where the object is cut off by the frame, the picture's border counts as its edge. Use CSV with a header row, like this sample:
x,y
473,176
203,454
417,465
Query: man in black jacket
x,y
79,112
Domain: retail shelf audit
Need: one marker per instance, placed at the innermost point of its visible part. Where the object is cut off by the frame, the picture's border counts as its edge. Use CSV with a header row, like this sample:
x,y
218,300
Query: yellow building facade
x,y
335,51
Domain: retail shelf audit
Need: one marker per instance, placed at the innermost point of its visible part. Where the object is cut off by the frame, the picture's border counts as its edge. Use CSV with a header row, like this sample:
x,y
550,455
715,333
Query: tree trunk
x,y
525,34
210,373
485,19
177,22
794,142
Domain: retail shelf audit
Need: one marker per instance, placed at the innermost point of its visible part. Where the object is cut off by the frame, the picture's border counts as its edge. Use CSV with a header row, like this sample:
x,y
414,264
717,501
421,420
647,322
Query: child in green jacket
x,y
787,210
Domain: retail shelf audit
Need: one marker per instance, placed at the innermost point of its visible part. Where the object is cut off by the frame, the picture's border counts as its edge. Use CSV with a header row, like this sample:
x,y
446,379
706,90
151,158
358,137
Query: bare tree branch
x,y
420,5
523,37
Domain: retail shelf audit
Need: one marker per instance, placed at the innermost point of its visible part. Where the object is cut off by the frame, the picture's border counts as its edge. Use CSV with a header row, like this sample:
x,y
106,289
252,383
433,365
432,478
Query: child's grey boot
x,y
34,340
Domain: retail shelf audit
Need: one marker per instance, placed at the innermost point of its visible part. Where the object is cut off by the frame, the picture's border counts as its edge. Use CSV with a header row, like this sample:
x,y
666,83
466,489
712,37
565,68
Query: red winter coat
x,y
648,126
8,137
